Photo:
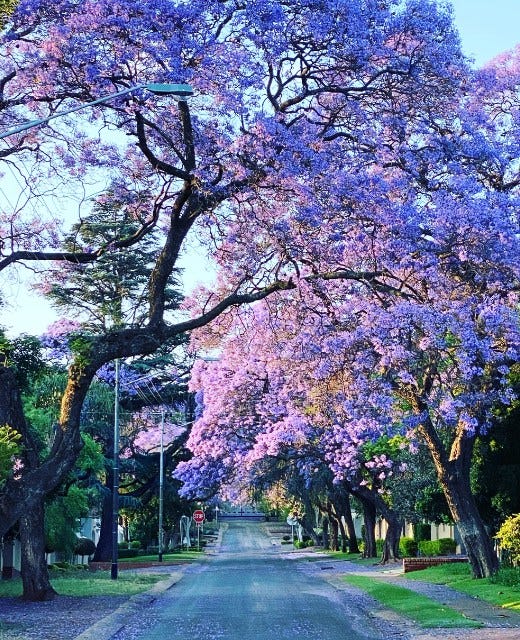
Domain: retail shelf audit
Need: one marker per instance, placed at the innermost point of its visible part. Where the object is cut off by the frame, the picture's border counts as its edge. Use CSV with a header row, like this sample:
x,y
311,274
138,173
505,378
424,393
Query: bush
x,y
447,546
408,547
508,537
128,553
286,538
429,548
84,547
441,547
309,542
135,544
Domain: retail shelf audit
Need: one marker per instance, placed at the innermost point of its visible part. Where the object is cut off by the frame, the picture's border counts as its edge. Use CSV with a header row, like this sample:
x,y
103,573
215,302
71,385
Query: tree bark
x,y
325,534
35,574
392,538
344,510
369,537
453,472
103,551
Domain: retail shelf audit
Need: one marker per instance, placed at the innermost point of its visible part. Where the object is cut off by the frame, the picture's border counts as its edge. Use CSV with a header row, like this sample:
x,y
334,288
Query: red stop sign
x,y
198,516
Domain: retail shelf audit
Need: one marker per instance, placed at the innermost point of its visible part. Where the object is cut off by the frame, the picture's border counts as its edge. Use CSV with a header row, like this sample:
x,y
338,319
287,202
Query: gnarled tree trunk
x,y
453,472
35,574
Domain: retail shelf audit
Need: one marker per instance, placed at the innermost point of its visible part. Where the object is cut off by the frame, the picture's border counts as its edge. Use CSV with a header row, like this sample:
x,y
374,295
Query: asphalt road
x,y
251,590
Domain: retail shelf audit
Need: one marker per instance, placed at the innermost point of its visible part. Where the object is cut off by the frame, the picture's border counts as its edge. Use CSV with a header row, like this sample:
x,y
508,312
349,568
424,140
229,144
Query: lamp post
x,y
180,91
115,480
161,484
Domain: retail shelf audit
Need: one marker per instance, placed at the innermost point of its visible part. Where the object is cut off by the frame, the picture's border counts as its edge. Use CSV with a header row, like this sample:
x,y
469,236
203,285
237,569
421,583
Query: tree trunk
x,y
334,539
476,540
369,535
307,521
325,535
344,540
35,574
392,538
336,513
344,511
453,472
103,551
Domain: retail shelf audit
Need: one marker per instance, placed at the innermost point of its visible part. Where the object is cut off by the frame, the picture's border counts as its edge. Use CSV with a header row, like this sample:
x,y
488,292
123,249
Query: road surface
x,y
251,590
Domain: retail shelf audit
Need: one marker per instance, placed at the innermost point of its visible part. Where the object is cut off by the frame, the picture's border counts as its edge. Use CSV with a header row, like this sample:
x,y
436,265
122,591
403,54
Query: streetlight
x,y
180,91
115,479
161,484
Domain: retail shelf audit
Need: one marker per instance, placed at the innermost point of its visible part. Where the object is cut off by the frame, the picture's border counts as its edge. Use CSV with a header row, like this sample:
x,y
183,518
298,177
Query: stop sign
x,y
198,516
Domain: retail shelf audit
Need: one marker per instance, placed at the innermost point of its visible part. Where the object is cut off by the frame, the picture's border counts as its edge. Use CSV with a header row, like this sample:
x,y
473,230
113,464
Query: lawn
x,y
182,556
425,612
502,590
78,581
82,582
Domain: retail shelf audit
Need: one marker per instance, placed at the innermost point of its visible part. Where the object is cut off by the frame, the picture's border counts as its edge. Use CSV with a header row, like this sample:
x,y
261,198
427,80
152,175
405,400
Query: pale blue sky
x,y
487,27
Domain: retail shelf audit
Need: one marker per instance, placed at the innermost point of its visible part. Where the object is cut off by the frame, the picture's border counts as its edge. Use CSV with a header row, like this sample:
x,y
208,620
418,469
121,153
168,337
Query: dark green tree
x,y
109,292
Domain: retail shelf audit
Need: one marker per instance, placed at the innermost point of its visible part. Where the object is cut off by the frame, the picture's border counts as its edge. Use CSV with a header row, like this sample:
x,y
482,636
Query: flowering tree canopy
x,y
326,142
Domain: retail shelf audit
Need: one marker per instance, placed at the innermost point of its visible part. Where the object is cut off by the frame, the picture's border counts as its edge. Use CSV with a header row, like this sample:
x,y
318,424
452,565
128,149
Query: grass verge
x,y
502,590
425,612
81,583
182,556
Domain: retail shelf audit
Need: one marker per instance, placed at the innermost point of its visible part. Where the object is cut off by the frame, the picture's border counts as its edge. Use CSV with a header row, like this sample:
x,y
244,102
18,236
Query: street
x,y
250,589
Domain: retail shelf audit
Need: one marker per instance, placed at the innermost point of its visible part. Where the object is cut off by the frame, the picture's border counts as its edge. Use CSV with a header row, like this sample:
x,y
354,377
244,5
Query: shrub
x,y
135,544
408,547
84,547
508,537
286,538
127,553
441,547
309,542
429,547
447,546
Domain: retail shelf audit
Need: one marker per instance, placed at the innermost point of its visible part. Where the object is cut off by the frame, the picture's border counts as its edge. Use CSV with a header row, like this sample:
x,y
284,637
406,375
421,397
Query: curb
x,y
108,626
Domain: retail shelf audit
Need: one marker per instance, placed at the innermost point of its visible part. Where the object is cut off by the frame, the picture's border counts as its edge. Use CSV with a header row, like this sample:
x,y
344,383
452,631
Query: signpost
x,y
199,517
292,521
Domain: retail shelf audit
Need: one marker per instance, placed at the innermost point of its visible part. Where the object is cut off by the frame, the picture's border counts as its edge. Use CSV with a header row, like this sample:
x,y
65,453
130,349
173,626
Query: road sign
x,y
198,516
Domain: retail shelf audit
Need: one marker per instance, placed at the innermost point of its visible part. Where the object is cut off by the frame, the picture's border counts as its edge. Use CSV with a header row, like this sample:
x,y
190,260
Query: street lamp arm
x,y
180,91
30,124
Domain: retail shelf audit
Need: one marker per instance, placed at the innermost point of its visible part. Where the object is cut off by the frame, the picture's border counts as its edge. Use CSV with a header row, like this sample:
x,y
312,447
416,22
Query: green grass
x,y
422,610
339,555
182,556
502,590
86,583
